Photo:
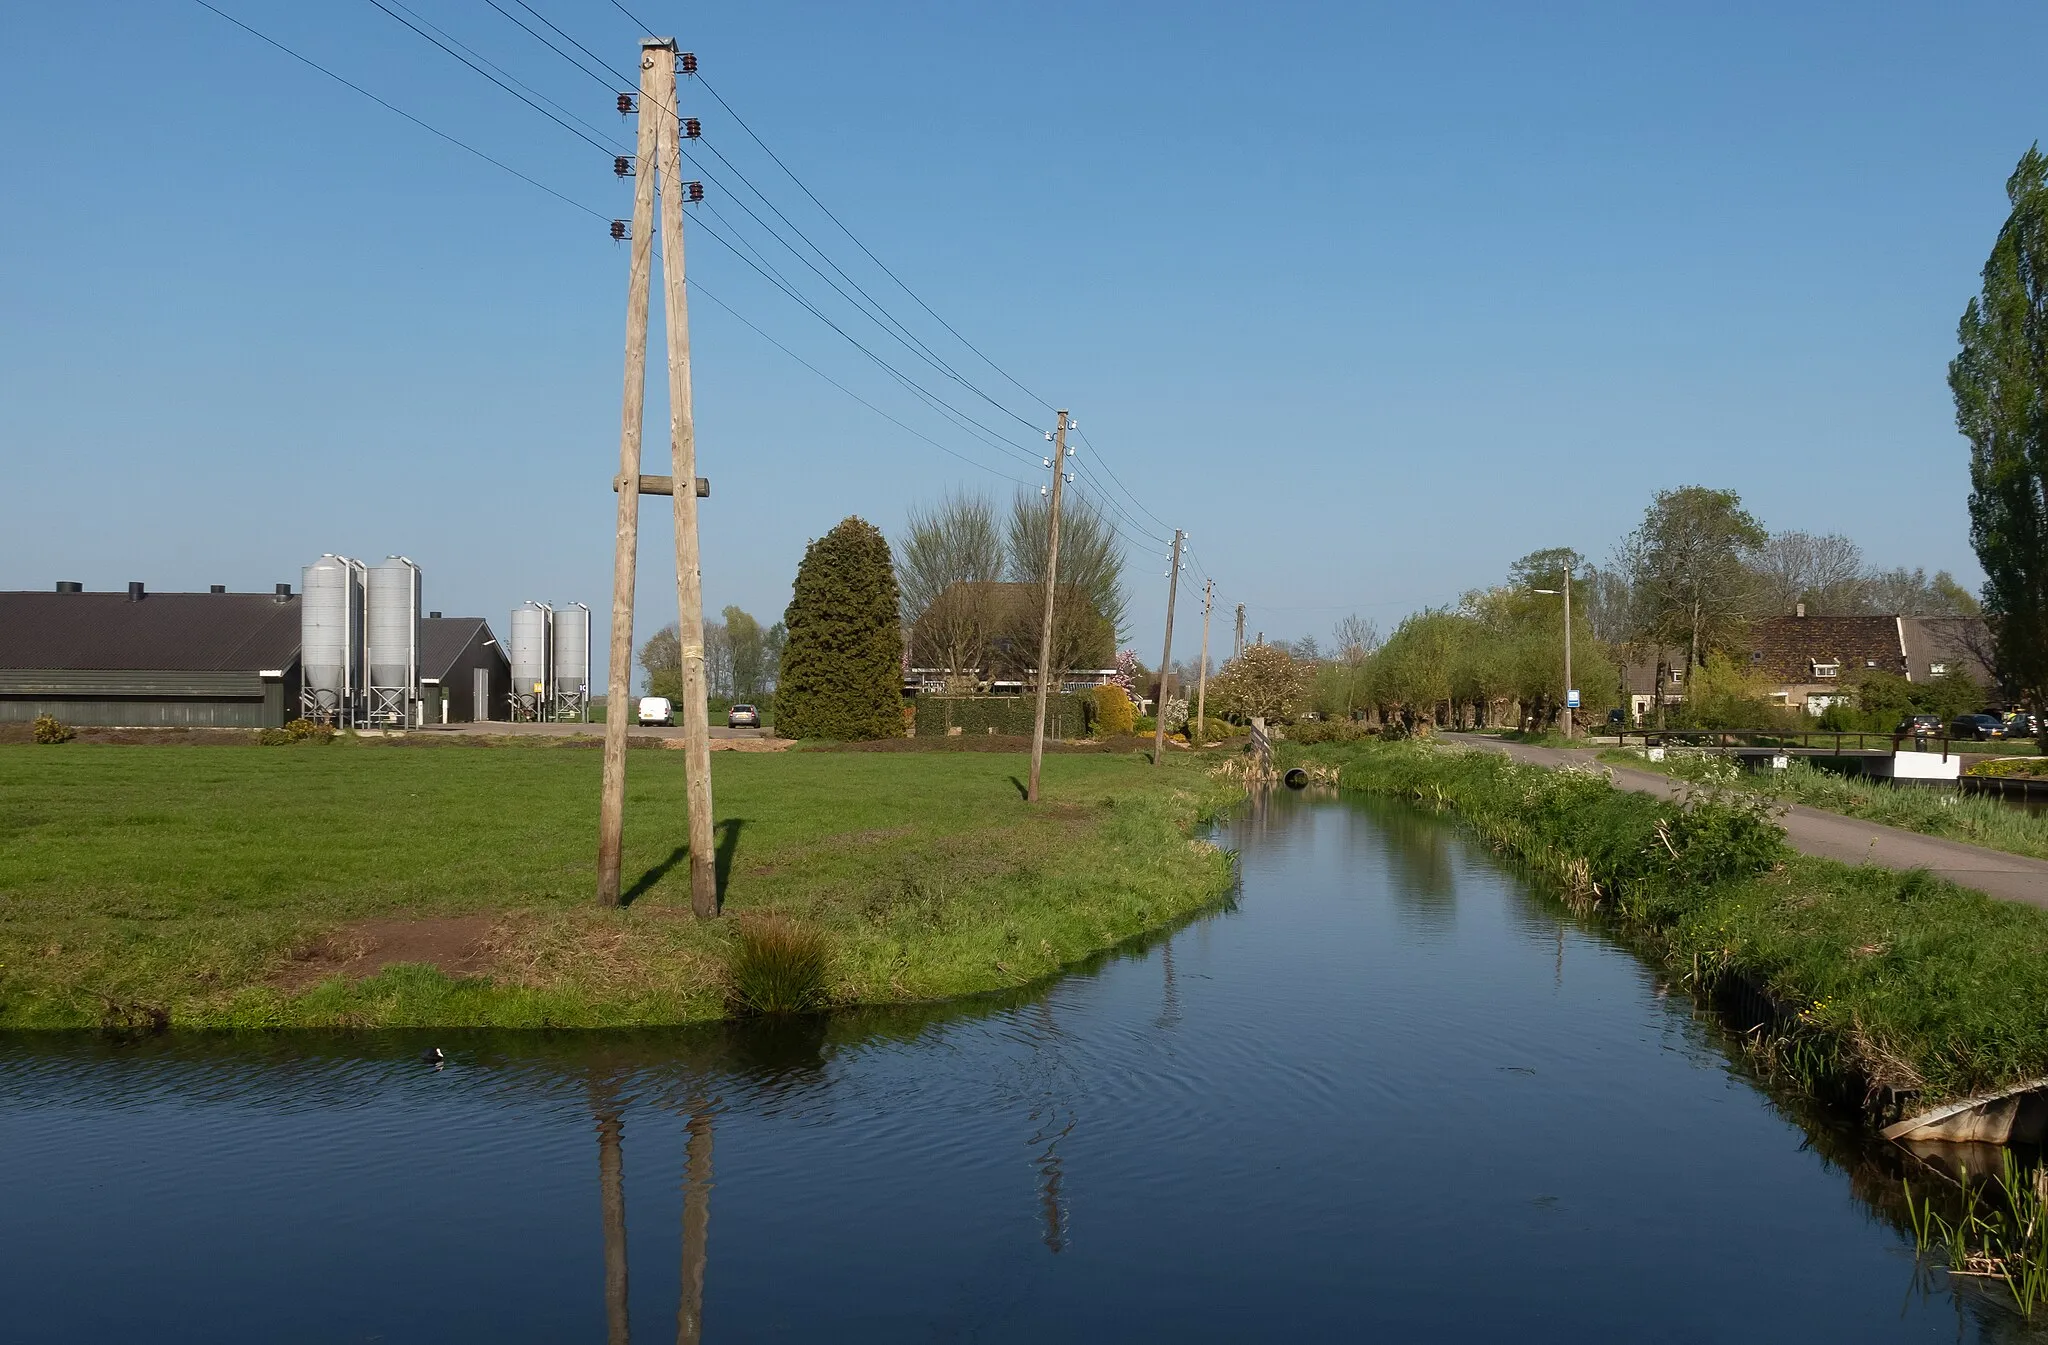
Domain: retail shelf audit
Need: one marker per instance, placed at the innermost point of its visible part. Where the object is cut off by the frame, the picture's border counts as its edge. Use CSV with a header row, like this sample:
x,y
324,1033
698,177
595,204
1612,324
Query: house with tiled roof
x,y
1812,662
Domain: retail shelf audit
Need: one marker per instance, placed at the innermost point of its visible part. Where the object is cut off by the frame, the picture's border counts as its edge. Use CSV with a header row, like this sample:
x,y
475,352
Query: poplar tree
x,y
842,667
2000,382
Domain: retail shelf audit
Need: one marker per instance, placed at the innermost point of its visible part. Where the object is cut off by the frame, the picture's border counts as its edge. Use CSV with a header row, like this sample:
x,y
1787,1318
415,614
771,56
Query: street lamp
x,y
1567,591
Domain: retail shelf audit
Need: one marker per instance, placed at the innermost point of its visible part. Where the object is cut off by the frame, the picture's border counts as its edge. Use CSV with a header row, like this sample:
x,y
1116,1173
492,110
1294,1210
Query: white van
x,y
656,710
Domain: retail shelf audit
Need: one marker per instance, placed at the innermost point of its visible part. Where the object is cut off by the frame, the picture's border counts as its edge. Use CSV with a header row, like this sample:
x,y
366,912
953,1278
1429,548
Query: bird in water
x,y
432,1056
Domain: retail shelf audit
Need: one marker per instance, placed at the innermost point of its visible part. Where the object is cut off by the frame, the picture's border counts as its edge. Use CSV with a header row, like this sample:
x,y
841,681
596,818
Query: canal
x,y
1391,1093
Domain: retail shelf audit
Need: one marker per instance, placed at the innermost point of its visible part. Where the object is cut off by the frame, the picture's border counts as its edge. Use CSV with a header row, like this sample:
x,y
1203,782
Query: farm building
x,y
141,659
460,657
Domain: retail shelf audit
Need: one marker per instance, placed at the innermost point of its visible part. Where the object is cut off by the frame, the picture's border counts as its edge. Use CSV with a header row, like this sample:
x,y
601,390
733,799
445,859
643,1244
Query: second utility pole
x,y
1166,657
1052,570
1202,678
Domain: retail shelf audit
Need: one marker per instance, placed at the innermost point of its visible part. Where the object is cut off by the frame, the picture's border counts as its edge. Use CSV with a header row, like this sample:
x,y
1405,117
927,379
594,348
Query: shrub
x,y
50,729
309,730
1114,713
1329,731
778,966
842,668
273,738
1210,730
1144,726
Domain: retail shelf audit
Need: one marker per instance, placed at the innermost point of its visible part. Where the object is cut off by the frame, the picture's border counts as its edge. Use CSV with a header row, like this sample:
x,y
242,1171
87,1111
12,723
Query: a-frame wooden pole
x,y
1166,656
661,88
618,713
1052,570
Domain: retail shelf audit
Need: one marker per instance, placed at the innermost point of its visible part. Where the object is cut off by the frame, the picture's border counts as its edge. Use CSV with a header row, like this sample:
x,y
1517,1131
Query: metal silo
x,y
530,622
394,641
572,662
331,640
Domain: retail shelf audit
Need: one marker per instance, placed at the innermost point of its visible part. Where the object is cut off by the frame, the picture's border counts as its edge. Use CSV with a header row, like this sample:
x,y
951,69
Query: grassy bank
x,y
360,885
1933,811
1902,990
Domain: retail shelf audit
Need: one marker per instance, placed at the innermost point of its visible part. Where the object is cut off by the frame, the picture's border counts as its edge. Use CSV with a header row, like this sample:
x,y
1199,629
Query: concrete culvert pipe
x,y
1296,778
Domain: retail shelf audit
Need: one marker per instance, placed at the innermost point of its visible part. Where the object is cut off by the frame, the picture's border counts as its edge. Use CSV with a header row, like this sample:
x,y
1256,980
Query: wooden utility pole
x,y
1052,570
696,1226
611,813
1166,657
1237,650
1202,677
683,453
1567,649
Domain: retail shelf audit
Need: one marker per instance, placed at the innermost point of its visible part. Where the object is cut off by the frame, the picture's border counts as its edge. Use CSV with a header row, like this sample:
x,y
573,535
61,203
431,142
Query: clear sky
x,y
1371,299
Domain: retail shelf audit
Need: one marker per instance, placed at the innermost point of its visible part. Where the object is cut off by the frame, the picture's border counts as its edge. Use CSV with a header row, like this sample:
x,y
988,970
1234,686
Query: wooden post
x,y
1052,570
1166,657
1202,677
683,452
611,813
1237,649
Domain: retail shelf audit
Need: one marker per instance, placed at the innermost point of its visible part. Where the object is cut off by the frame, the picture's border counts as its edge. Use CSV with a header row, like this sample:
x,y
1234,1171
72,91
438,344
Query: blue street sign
x,y
1571,698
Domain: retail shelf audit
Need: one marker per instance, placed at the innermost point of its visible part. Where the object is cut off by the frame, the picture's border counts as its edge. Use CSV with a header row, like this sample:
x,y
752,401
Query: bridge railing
x,y
1821,741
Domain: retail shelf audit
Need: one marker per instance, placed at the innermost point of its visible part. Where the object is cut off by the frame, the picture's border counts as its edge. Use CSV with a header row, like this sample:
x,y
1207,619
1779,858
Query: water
x,y
1391,1095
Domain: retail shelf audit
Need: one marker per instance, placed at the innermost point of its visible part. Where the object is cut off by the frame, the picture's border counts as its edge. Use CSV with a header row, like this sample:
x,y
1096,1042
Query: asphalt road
x,y
1826,835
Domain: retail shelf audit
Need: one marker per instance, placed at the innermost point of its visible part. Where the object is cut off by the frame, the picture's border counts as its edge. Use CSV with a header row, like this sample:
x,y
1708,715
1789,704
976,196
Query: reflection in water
x,y
1381,987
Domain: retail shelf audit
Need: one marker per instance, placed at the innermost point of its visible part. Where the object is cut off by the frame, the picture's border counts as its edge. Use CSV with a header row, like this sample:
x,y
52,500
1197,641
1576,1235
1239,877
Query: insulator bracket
x,y
628,105
622,165
687,62
694,191
621,231
692,128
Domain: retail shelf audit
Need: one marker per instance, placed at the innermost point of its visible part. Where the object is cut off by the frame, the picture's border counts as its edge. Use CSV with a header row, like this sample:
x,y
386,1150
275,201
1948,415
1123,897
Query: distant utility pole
x,y
1567,592
1052,569
1166,656
659,156
1202,678
1237,649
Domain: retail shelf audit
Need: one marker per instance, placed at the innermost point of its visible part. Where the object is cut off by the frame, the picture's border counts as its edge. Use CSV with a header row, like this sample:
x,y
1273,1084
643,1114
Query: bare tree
x,y
1355,640
1903,592
1825,573
947,565
1089,606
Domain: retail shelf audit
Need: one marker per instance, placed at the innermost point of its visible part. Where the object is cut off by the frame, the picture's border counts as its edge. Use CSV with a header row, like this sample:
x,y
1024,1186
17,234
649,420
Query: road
x,y
1825,835
498,727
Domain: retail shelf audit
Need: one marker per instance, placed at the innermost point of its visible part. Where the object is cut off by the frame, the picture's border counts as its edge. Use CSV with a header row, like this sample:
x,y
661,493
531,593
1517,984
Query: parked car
x,y
2022,724
1921,726
656,710
743,717
1977,726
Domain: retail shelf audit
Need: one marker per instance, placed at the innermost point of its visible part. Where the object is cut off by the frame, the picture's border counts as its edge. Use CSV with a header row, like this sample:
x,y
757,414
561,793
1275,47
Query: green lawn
x,y
207,886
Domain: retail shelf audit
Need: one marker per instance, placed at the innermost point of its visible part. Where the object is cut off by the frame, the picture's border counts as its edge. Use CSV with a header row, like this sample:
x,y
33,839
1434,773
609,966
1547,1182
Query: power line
x,y
444,33
389,107
537,107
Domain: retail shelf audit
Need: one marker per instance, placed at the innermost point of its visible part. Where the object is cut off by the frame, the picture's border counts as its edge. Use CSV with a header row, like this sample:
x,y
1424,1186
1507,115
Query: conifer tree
x,y
2000,382
842,666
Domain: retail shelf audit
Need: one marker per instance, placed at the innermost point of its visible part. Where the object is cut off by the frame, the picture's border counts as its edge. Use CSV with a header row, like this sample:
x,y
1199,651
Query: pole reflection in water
x,y
611,1177
696,1224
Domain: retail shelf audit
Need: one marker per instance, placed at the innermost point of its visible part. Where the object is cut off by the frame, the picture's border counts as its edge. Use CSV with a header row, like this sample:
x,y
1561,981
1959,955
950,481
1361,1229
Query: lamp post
x,y
1567,592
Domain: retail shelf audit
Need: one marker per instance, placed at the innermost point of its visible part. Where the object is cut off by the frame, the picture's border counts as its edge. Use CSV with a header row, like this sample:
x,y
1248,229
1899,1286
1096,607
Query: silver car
x,y
743,717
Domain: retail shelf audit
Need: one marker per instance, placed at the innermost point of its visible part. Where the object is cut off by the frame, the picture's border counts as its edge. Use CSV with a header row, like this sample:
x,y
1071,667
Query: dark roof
x,y
1963,643
444,638
1785,648
185,632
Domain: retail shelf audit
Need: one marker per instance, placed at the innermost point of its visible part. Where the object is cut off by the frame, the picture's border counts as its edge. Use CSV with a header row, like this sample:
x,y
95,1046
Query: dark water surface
x,y
1392,1095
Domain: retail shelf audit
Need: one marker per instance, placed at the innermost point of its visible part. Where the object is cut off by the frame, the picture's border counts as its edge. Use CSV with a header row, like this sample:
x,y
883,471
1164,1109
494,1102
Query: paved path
x,y
1830,835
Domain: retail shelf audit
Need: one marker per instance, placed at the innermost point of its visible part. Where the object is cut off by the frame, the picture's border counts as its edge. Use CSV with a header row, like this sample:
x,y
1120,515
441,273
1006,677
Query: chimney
x,y
70,586
283,591
135,593
1799,610
218,588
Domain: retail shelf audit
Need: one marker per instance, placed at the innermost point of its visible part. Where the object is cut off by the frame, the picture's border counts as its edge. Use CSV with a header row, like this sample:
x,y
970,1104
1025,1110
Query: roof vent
x,y
433,616
218,588
70,586
135,590
283,591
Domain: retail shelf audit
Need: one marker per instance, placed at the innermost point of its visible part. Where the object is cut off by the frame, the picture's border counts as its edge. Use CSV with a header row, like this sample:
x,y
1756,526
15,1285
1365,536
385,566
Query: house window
x,y
1870,663
1678,674
1827,669
1936,669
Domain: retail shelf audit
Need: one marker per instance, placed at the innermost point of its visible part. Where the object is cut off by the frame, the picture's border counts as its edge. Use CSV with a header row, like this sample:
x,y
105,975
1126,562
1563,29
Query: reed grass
x,y
1998,1232
777,966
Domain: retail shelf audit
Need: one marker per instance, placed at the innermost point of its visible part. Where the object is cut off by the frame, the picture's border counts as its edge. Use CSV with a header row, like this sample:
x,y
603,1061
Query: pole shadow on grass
x,y
728,846
1022,792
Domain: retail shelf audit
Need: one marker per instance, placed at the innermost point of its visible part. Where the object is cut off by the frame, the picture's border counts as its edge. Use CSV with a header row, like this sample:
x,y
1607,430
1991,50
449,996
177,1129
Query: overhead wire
x,y
393,108
451,38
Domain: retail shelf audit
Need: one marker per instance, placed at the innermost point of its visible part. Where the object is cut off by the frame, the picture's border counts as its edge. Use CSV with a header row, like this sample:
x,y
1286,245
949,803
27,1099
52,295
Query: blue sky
x,y
1371,299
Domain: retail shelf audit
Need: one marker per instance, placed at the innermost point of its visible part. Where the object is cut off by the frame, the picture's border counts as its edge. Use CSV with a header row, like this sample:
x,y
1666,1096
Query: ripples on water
x,y
1388,1095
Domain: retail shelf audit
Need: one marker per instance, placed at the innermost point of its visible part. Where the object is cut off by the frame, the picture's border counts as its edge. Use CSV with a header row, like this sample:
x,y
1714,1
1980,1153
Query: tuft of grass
x,y
777,966
1882,987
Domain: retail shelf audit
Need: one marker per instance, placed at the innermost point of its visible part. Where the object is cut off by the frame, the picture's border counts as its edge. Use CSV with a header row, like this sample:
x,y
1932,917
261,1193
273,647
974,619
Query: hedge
x,y
1065,716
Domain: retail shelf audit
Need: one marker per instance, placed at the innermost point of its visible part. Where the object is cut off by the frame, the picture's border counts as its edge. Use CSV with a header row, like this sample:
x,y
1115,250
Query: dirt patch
x,y
454,944
168,737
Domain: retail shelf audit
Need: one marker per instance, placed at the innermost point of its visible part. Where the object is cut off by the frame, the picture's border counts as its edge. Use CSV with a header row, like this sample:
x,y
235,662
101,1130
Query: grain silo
x,y
331,641
571,662
393,647
531,645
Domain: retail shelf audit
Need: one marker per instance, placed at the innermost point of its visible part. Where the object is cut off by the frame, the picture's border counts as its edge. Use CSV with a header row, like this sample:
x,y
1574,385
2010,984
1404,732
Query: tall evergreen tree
x,y
2000,381
842,666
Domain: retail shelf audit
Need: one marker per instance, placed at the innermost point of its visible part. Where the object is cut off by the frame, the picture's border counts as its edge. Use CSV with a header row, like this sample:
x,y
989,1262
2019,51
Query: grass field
x,y
1905,988
242,887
